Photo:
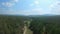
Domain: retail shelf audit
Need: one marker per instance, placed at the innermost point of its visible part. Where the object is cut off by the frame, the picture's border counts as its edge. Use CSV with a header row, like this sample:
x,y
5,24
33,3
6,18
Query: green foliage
x,y
39,24
11,25
49,24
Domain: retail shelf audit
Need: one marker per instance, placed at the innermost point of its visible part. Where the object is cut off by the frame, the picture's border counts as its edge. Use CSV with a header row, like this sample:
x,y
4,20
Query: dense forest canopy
x,y
46,25
39,24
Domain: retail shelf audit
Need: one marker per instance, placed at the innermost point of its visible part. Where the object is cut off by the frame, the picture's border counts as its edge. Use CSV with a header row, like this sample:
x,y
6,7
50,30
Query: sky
x,y
30,7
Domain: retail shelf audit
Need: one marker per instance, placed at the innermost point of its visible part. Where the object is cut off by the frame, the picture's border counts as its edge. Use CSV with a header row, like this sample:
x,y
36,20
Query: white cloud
x,y
55,4
38,11
35,11
15,0
55,8
7,4
36,2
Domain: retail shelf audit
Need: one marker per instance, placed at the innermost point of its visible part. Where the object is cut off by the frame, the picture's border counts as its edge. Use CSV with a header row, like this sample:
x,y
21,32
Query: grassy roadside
x,y
29,31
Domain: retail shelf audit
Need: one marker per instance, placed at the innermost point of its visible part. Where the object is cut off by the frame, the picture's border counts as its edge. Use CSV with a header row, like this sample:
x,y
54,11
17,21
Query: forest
x,y
45,25
10,24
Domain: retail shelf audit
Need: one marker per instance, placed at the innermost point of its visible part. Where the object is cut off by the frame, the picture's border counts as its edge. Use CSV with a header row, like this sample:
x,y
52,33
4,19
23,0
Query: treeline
x,y
39,24
45,25
12,24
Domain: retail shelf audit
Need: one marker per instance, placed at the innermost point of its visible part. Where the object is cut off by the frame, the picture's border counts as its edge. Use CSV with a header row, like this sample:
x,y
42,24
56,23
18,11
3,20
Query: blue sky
x,y
30,7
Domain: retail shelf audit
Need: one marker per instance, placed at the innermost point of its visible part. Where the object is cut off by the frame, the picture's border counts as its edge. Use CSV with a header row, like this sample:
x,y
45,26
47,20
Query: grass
x,y
29,31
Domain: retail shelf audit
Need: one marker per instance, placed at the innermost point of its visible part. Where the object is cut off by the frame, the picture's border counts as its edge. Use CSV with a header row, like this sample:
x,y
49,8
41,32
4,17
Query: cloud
x,y
36,2
38,11
15,0
7,4
10,3
55,8
35,11
55,4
